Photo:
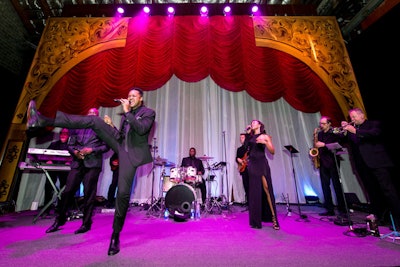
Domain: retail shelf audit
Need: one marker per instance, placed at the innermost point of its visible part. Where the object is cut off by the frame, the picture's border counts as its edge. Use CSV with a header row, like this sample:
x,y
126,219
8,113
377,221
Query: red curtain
x,y
191,48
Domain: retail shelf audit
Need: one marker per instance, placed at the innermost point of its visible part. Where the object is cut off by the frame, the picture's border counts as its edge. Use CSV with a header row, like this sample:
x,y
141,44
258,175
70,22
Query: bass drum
x,y
178,201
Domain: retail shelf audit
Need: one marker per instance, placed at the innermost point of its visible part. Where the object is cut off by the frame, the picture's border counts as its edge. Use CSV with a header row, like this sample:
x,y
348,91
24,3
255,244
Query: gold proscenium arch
x,y
316,41
64,43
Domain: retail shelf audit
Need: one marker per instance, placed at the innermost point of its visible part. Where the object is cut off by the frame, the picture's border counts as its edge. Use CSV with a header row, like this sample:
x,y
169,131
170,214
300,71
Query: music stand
x,y
334,148
292,151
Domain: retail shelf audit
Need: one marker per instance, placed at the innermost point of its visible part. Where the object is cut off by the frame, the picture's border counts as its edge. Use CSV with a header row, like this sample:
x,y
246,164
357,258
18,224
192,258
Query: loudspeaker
x,y
353,202
352,198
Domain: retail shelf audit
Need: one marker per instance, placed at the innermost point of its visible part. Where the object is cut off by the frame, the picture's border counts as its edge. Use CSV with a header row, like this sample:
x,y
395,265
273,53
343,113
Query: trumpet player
x,y
373,164
328,171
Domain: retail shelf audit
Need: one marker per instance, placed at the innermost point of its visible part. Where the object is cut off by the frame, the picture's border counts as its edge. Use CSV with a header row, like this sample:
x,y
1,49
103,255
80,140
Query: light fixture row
x,y
204,10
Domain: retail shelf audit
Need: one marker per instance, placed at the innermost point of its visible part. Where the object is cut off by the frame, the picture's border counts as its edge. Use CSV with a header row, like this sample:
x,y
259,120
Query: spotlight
x,y
254,10
146,10
203,11
170,11
312,199
120,10
227,10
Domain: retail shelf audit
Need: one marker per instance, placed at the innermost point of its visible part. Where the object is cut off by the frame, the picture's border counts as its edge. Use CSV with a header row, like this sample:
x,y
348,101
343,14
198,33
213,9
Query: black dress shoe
x,y
327,213
55,226
82,229
34,119
114,244
256,227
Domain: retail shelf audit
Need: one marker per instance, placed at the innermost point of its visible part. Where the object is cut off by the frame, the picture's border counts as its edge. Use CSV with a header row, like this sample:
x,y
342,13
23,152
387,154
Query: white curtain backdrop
x,y
209,118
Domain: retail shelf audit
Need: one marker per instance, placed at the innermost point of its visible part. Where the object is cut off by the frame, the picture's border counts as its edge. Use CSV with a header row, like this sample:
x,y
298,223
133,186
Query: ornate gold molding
x,y
66,42
316,41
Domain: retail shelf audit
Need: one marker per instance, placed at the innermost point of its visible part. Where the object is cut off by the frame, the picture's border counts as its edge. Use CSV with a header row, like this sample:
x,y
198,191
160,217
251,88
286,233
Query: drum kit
x,y
179,188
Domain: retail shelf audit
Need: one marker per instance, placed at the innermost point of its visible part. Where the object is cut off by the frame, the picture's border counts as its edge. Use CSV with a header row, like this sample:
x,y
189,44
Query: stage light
x,y
227,10
170,11
312,200
203,11
254,10
146,10
120,10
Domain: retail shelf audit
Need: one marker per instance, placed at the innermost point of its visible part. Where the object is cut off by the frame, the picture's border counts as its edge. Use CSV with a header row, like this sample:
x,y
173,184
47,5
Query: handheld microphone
x,y
117,100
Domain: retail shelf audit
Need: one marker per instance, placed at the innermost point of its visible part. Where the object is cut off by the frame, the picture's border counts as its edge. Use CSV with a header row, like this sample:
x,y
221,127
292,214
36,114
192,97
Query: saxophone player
x,y
328,171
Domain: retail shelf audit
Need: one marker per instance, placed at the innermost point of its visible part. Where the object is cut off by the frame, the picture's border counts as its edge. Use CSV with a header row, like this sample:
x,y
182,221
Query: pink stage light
x,y
170,11
227,10
203,11
146,10
120,10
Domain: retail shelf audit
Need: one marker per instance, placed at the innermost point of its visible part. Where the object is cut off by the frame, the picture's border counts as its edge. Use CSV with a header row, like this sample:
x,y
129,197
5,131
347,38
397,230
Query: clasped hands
x,y
80,154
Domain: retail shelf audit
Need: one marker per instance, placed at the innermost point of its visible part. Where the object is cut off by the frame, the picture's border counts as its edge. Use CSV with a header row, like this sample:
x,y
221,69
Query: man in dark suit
x,y
192,161
372,162
87,162
130,142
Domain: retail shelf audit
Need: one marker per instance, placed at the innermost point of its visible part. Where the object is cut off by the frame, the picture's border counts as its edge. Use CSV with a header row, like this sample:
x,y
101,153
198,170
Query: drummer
x,y
196,163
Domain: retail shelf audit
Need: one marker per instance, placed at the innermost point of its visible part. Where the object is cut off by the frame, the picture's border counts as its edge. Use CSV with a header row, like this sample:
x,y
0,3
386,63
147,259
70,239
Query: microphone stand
x,y
153,203
292,151
226,172
334,147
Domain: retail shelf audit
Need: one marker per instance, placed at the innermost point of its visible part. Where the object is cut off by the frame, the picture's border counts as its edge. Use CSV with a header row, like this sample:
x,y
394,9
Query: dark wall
x,y
12,88
375,56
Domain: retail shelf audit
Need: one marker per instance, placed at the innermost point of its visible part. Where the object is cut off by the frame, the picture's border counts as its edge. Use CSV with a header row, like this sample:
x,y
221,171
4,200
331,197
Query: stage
x,y
215,239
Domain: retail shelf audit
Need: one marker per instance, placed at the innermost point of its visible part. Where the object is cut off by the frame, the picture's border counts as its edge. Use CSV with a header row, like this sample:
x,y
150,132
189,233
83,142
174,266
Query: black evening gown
x,y
258,167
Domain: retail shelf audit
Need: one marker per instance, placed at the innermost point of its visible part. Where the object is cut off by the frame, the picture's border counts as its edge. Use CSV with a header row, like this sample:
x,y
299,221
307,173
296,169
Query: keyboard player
x,y
60,144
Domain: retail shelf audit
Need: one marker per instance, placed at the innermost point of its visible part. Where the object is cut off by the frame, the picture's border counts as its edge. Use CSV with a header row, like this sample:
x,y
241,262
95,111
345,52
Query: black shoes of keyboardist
x,y
57,223
34,119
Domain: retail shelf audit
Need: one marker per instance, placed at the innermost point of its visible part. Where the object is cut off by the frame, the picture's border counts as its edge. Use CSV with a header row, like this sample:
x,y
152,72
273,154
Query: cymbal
x,y
205,158
165,163
159,159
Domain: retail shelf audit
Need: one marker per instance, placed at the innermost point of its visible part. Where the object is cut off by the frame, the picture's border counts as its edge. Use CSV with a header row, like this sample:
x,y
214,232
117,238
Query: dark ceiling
x,y
353,16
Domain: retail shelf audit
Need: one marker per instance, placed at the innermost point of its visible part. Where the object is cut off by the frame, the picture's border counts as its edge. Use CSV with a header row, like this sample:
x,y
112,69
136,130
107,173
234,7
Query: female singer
x,y
262,205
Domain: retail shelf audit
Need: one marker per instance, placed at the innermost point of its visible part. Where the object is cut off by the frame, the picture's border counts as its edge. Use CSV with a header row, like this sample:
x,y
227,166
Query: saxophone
x,y
314,153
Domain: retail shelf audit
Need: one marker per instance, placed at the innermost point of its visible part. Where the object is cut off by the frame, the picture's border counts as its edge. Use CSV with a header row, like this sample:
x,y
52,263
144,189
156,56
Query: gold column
x,y
64,43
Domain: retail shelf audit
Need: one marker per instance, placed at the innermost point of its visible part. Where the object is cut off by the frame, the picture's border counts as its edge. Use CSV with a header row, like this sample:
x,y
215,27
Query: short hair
x,y
137,89
358,110
328,119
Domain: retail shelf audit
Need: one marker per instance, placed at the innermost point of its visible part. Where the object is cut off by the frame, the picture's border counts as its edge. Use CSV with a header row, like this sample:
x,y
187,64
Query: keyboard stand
x,y
43,167
57,194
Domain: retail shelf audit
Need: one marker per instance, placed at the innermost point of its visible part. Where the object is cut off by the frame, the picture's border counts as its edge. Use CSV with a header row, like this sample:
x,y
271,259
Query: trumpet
x,y
340,130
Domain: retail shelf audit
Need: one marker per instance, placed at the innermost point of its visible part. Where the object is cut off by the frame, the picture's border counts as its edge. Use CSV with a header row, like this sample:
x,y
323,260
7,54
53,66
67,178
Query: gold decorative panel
x,y
317,41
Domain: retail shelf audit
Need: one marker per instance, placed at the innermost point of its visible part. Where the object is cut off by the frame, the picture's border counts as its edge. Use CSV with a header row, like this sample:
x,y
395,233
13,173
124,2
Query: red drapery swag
x,y
191,48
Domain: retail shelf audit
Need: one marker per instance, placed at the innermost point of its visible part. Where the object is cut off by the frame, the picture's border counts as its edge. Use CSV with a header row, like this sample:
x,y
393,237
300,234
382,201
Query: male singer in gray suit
x,y
130,142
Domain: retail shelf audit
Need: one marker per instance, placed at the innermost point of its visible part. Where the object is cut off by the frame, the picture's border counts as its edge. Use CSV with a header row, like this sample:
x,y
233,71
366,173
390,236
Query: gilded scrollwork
x,y
65,42
316,41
